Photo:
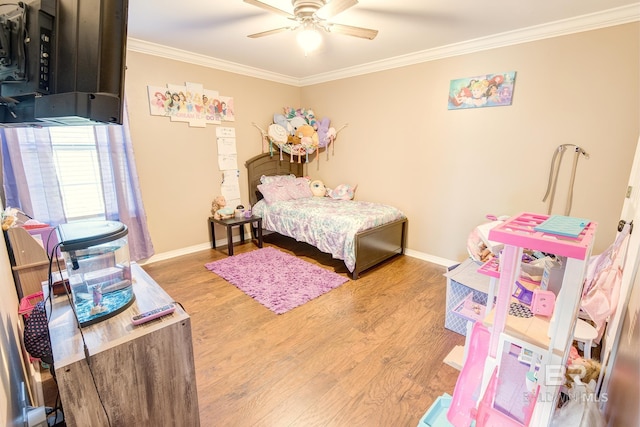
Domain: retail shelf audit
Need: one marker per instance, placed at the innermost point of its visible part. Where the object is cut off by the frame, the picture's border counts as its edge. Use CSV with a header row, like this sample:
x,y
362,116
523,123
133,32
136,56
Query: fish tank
x,y
96,254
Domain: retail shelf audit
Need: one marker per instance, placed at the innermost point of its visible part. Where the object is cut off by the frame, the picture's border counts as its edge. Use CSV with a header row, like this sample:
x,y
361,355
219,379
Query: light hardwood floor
x,y
368,353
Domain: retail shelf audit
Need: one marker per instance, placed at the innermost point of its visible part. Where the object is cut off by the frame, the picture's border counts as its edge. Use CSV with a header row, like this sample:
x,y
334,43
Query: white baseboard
x,y
430,258
222,243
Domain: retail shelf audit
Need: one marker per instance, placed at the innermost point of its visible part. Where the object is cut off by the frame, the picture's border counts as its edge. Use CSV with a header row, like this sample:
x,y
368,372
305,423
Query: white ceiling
x,y
214,32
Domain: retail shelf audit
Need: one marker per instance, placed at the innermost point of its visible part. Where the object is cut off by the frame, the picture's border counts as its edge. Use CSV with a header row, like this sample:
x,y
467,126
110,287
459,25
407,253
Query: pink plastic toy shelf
x,y
491,268
469,309
520,231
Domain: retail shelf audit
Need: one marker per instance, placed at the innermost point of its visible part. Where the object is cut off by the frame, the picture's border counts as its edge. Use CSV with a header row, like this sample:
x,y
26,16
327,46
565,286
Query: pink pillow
x,y
299,188
272,179
274,192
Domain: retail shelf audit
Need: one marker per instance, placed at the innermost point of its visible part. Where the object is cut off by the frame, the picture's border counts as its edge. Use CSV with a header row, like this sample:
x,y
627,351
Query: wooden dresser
x,y
29,260
134,375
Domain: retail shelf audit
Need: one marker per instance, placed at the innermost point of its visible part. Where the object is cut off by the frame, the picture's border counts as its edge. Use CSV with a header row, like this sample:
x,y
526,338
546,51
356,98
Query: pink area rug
x,y
275,279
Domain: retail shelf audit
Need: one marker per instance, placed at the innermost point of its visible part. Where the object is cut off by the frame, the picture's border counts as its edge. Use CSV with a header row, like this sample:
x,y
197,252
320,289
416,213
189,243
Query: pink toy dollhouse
x,y
495,386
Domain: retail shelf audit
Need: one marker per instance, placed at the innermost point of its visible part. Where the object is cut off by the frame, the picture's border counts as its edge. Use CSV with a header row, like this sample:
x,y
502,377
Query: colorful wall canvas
x,y
490,90
190,103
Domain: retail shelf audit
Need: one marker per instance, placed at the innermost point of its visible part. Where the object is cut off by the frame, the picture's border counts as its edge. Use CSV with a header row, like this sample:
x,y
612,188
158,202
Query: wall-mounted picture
x,y
190,103
226,109
490,90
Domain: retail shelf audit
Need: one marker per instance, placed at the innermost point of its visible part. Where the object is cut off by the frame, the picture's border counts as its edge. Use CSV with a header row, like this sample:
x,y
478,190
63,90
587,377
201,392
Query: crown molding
x,y
141,46
594,21
609,18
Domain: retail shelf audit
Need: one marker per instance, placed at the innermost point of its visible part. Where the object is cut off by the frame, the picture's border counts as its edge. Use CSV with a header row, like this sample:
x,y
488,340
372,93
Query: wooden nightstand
x,y
229,224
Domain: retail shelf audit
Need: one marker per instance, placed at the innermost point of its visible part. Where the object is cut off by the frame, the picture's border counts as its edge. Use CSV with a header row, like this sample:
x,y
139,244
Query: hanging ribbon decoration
x,y
554,172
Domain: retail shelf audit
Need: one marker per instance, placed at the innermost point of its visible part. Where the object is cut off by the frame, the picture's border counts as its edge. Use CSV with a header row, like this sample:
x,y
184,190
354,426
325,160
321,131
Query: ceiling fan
x,y
312,14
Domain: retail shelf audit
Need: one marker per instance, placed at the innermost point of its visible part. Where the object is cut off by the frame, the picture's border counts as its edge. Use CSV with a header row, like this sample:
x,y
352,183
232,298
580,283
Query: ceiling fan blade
x,y
270,32
270,8
334,7
348,30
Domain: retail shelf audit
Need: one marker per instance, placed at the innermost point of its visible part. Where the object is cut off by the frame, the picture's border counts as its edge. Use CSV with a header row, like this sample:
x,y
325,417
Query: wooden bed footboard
x,y
378,244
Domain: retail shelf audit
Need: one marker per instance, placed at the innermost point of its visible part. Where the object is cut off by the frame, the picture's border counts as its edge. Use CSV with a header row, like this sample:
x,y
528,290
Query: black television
x,y
62,62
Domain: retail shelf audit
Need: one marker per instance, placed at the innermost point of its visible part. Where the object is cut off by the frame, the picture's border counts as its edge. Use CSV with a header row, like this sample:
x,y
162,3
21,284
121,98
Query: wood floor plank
x,y
366,353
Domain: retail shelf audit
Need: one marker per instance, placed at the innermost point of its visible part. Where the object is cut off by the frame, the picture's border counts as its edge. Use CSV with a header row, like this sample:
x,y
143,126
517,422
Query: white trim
x,y
141,46
223,244
594,21
431,258
178,252
609,18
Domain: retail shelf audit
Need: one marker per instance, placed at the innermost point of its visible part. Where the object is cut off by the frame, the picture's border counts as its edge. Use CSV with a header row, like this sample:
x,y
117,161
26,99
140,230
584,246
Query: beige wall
x,y
444,169
447,169
177,164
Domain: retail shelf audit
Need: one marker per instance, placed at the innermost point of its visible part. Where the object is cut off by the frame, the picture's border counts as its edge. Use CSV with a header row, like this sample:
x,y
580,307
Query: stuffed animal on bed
x,y
342,192
317,188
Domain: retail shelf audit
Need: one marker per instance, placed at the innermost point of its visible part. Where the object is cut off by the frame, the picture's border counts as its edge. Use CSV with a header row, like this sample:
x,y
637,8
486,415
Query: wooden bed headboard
x,y
267,164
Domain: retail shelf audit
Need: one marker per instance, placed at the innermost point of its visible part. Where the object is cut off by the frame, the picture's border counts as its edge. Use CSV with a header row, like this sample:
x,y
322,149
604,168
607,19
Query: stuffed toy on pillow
x,y
317,188
342,192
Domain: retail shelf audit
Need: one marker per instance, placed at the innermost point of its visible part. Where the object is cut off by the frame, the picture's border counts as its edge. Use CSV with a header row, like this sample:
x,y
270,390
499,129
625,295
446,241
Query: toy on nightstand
x,y
219,209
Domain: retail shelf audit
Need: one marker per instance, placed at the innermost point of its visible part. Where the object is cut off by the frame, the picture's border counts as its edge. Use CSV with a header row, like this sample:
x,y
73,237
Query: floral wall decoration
x,y
298,133
190,103
490,90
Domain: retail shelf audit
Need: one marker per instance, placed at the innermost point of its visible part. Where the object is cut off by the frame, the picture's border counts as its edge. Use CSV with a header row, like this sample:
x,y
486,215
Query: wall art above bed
x,y
298,133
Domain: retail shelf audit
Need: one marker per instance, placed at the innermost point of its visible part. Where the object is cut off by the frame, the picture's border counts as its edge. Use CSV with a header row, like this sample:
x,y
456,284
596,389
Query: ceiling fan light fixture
x,y
309,39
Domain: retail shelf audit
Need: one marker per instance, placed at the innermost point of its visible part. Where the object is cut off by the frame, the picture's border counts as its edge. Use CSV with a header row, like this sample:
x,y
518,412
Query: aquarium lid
x,y
83,234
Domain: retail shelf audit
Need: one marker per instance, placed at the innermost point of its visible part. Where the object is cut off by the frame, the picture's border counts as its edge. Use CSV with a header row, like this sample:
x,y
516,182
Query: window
x,y
62,174
76,163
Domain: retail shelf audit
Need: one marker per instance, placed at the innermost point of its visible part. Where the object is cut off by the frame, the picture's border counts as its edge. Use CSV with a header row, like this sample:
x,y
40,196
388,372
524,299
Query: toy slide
x,y
465,396
489,416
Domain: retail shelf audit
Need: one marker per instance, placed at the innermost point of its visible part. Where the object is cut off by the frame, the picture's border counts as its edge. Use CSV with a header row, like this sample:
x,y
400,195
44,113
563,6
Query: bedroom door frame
x,y
621,334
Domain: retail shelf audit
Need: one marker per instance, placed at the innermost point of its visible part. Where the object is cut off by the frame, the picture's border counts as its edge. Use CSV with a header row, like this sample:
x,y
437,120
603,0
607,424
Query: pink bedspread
x,y
328,224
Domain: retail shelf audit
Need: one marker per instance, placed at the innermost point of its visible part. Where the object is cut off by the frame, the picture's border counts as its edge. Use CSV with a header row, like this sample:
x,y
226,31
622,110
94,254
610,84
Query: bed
x,y
364,241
